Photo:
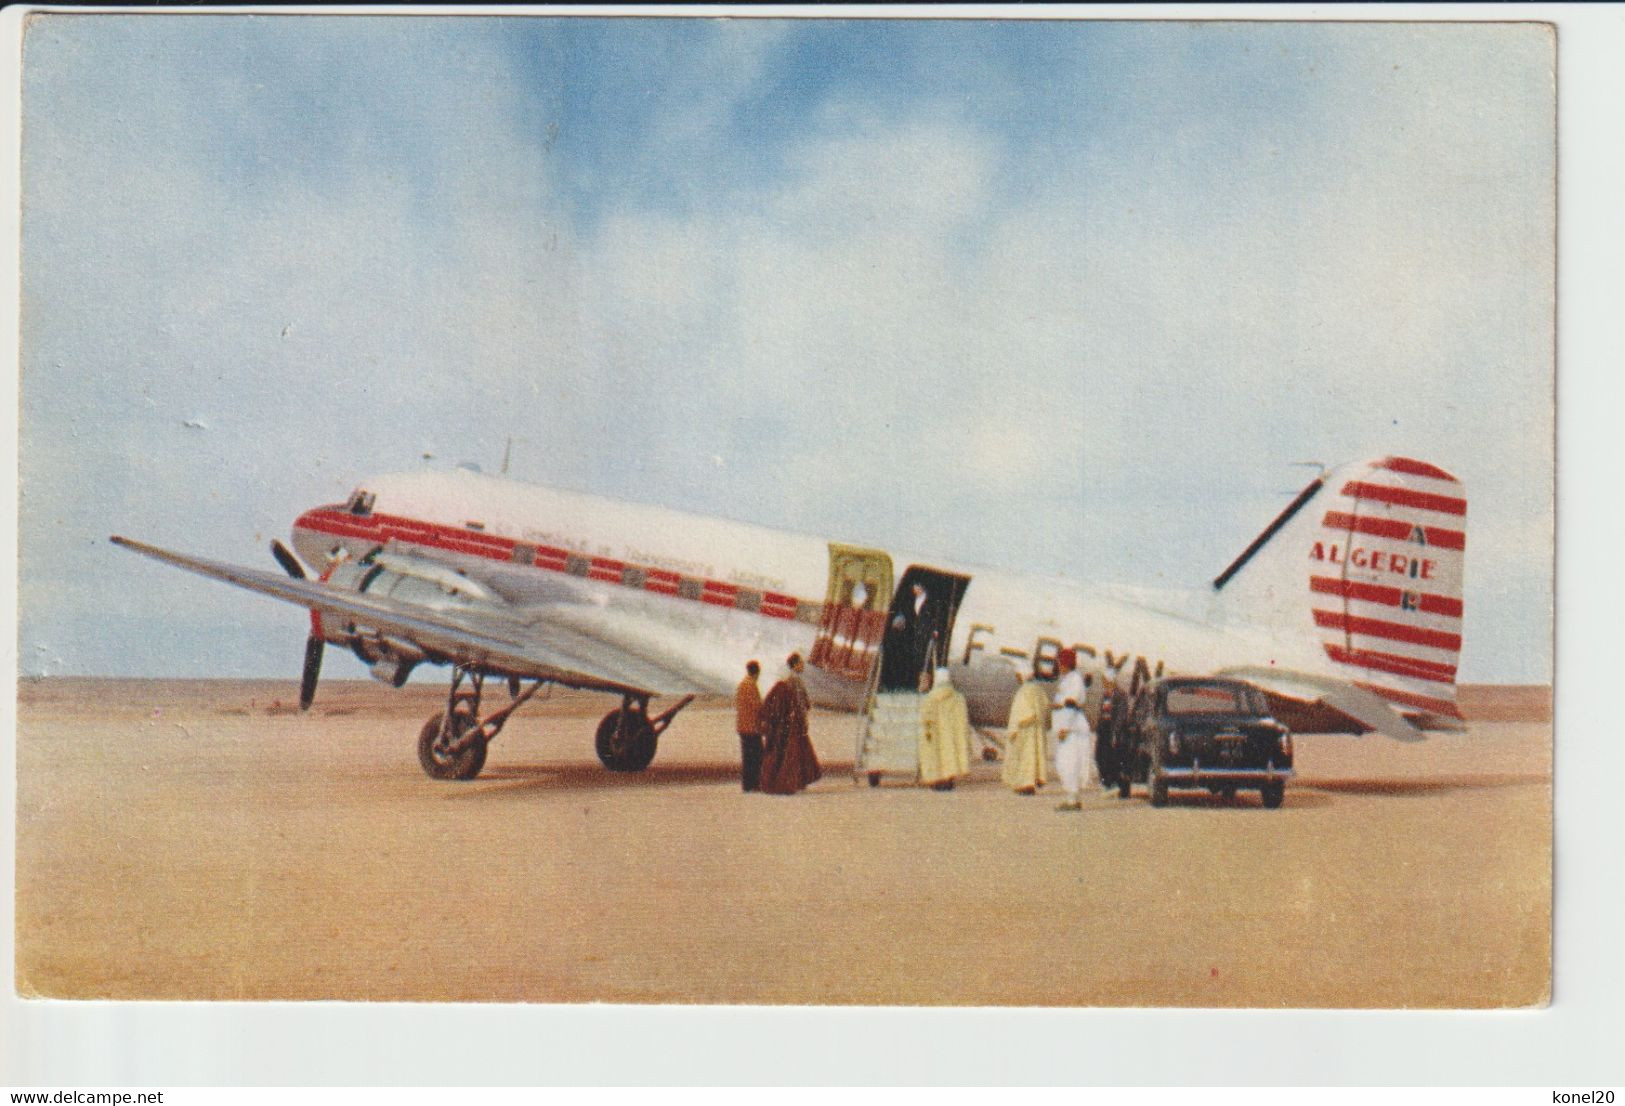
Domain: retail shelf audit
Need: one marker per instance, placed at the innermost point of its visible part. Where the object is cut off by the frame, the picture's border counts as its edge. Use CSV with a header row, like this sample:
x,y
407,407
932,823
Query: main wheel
x,y
626,741
1273,794
442,765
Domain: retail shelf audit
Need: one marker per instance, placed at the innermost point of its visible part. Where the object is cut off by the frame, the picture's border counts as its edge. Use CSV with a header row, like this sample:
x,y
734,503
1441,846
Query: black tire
x,y
874,779
1229,792
1273,794
437,765
626,741
1124,785
1155,781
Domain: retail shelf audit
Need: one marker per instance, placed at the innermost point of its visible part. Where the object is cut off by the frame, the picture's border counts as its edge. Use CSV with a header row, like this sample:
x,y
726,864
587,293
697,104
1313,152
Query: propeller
x,y
314,645
313,670
288,560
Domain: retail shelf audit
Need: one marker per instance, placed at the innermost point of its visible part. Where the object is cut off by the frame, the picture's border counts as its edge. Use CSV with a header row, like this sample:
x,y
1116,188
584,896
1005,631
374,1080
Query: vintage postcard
x,y
799,511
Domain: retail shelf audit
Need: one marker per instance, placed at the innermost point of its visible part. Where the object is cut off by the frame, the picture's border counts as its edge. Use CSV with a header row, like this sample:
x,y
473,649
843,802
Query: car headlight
x,y
1286,743
1173,742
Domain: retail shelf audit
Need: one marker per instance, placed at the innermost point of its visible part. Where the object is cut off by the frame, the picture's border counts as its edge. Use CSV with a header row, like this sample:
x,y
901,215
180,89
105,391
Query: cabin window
x,y
578,565
690,588
524,554
360,502
634,577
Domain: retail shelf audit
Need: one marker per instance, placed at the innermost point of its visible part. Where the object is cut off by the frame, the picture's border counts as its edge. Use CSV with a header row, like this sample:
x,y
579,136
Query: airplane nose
x,y
308,540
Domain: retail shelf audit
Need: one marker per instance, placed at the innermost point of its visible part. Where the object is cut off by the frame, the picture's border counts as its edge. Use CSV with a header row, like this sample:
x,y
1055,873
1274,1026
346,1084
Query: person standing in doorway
x,y
748,723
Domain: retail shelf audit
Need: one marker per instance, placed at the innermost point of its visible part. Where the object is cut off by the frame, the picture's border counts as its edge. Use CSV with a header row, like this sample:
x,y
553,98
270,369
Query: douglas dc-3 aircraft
x,y
1345,611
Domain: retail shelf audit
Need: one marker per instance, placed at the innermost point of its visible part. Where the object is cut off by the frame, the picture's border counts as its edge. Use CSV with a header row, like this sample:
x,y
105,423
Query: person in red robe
x,y
788,761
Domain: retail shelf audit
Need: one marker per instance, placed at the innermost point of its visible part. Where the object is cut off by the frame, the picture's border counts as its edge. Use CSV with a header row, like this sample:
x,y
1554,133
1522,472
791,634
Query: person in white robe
x,y
1074,740
1024,738
944,735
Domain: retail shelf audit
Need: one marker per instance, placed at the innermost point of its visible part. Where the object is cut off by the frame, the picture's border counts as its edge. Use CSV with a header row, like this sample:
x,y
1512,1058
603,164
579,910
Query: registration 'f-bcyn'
x,y
1345,611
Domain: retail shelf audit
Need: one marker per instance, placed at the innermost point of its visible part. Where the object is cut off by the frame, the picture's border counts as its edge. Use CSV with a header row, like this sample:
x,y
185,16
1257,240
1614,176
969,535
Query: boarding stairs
x,y
889,740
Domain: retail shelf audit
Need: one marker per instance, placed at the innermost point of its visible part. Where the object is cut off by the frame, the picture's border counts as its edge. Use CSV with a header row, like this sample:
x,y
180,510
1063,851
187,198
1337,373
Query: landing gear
x,y
437,740
452,743
626,741
627,737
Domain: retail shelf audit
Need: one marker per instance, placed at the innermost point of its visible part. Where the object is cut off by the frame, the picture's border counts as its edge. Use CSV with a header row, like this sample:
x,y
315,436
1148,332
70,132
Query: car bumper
x,y
1197,776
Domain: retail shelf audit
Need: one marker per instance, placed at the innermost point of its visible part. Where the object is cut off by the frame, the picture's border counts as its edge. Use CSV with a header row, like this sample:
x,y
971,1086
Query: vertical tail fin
x,y
1367,561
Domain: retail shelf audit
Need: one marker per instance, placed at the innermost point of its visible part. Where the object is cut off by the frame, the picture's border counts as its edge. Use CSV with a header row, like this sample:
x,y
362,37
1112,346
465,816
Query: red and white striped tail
x,y
1385,570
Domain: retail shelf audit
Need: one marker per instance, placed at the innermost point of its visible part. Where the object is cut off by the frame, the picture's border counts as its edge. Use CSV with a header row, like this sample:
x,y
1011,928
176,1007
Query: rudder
x,y
1368,561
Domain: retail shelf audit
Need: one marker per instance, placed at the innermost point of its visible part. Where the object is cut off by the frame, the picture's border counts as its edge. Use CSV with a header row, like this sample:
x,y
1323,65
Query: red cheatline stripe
x,y
1405,497
1393,597
1415,468
380,528
1393,631
1395,528
1392,662
1411,699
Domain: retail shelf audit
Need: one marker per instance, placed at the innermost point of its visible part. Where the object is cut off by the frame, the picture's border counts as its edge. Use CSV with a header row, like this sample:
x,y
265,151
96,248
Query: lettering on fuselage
x,y
1374,560
1045,656
675,564
754,580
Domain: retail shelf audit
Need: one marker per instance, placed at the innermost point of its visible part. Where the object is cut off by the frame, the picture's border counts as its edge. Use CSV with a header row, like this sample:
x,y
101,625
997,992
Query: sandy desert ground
x,y
203,840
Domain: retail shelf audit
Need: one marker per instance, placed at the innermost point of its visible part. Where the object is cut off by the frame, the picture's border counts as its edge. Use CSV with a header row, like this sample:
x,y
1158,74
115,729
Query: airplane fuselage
x,y
754,593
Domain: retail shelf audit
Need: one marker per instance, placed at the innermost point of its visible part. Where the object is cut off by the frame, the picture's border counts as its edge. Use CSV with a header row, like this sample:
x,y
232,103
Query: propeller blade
x,y
313,671
289,562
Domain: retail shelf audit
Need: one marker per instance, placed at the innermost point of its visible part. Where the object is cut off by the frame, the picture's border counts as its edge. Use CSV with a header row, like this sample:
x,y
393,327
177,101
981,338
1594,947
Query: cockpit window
x,y
360,502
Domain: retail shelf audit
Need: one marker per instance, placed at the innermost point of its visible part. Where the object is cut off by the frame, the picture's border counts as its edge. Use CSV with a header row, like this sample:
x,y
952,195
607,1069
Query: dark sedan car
x,y
1204,733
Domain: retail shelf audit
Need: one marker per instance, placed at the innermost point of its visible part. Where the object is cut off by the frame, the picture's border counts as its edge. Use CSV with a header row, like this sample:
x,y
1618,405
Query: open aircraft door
x,y
920,625
854,620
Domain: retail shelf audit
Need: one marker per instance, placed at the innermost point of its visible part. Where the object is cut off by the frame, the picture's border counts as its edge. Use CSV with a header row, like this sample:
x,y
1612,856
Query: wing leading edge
x,y
554,642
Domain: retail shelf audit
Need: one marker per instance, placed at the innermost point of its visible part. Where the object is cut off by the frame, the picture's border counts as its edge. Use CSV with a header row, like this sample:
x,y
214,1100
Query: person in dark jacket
x,y
748,724
788,761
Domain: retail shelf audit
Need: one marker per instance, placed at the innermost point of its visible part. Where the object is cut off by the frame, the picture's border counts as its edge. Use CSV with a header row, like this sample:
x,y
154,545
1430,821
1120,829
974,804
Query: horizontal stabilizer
x,y
1367,708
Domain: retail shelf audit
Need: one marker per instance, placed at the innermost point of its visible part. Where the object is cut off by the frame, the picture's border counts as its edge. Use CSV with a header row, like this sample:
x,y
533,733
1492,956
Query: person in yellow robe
x,y
1024,738
944,735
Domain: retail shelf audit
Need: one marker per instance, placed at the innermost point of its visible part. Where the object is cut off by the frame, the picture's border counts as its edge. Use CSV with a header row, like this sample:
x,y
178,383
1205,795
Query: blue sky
x,y
1066,297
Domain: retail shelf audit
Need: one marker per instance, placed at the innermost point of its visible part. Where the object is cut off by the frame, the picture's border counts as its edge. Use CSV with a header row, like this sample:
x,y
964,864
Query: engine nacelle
x,y
424,585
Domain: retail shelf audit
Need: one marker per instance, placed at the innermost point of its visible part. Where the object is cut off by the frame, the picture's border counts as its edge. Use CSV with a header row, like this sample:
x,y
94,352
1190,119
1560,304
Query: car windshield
x,y
1183,699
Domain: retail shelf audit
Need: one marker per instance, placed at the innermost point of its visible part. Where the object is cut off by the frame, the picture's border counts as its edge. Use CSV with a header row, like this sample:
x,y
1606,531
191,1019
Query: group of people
x,y
1032,715
775,751
777,756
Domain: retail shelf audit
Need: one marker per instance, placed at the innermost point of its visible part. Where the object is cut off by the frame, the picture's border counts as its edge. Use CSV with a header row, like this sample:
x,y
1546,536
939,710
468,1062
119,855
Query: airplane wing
x,y
570,644
1368,709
